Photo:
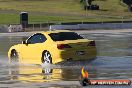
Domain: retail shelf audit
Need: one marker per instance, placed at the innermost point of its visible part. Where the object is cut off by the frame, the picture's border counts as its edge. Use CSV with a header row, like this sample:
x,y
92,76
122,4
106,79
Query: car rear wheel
x,y
46,57
14,56
47,70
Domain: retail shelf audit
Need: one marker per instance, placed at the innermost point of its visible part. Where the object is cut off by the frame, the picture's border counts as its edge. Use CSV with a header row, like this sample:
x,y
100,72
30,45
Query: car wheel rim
x,y
47,70
47,58
14,56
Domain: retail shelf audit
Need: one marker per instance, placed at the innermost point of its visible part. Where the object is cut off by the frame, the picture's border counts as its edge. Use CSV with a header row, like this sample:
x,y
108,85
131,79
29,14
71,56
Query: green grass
x,y
61,11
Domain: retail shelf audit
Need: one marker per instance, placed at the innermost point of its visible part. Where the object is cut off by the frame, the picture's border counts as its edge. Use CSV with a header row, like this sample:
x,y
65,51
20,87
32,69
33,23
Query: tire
x,y
14,56
46,57
47,70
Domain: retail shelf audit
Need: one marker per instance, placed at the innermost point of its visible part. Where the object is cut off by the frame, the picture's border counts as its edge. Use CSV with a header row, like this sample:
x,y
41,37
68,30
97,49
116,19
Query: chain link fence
x,y
42,25
95,20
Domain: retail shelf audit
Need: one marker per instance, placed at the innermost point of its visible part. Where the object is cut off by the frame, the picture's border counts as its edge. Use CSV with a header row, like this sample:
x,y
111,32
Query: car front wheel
x,y
14,56
46,57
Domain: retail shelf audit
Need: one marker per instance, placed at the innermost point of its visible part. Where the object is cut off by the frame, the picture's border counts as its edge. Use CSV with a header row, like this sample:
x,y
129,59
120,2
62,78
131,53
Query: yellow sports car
x,y
52,47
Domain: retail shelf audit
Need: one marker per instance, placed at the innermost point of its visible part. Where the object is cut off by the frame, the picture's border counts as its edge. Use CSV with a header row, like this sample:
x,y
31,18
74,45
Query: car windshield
x,y
61,36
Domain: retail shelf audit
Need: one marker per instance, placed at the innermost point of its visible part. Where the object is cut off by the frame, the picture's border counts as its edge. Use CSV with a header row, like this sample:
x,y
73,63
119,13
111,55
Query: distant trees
x,y
129,4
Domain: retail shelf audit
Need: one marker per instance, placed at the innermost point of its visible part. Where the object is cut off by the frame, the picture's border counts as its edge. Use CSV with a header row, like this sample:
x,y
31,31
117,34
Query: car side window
x,y
36,38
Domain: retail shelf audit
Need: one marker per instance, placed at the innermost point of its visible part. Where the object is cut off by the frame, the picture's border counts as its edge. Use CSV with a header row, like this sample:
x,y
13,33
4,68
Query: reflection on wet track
x,y
113,62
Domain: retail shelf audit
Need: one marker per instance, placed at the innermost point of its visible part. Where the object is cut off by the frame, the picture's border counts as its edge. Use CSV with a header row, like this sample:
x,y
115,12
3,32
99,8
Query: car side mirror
x,y
24,42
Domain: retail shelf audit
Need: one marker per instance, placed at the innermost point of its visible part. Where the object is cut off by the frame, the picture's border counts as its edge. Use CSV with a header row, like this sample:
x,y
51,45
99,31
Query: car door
x,y
33,48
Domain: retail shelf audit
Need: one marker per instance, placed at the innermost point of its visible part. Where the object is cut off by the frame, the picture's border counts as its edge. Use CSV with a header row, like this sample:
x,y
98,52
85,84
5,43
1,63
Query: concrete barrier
x,y
59,27
15,28
93,26
11,28
106,26
3,28
79,26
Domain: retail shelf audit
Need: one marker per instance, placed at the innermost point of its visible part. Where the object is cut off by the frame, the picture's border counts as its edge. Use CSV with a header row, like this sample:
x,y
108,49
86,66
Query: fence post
x,y
33,26
82,22
40,26
48,23
102,22
122,19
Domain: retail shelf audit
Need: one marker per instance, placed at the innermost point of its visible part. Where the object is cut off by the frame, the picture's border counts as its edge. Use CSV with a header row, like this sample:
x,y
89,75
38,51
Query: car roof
x,y
55,31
